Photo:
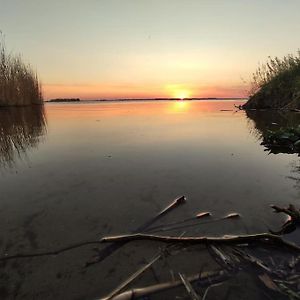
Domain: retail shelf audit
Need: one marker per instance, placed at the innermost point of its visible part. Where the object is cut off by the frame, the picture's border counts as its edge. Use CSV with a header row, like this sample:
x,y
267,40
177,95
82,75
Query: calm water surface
x,y
73,172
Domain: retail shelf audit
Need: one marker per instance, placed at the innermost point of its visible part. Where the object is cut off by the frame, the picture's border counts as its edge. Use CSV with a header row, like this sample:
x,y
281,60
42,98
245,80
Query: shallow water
x,y
80,171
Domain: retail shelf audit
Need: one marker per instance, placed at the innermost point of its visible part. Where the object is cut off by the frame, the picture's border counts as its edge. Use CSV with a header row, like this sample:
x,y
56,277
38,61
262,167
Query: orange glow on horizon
x,y
179,91
123,90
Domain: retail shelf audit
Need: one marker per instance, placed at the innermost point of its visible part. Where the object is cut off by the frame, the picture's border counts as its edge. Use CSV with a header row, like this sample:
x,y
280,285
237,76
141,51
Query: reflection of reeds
x,y
20,128
295,173
262,121
19,85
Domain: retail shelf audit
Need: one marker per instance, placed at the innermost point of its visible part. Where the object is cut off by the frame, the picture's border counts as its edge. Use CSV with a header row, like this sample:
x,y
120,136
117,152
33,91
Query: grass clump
x,y
19,84
276,84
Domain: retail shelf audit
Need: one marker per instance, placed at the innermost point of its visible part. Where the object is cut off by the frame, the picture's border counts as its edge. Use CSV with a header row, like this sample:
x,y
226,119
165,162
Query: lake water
x,y
74,172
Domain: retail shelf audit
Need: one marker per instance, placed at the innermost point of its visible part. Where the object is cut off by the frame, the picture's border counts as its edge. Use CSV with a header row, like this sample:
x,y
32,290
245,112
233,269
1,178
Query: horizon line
x,y
144,99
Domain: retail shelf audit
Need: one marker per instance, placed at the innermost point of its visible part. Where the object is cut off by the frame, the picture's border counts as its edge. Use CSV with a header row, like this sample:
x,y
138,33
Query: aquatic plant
x,y
283,140
276,84
19,84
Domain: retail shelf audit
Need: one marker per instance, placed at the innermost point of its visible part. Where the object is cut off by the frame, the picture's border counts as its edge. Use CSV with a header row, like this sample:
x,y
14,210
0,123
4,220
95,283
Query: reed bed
x,y
274,68
19,84
276,84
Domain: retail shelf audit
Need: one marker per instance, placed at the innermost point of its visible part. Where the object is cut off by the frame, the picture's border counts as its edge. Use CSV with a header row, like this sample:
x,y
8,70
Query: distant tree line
x,y
64,100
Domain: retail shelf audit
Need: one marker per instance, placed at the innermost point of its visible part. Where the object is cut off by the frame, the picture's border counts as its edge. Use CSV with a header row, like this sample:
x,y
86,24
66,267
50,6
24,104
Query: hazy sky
x,y
148,48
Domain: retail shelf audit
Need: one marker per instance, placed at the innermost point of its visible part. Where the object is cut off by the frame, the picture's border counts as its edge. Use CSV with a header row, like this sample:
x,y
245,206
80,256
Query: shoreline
x,y
143,99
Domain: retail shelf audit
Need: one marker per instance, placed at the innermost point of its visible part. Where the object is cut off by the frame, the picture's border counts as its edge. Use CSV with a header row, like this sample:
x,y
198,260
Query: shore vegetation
x,y
19,83
276,84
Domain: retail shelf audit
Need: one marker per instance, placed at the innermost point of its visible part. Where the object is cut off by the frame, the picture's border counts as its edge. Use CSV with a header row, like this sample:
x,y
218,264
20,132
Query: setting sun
x,y
178,91
182,94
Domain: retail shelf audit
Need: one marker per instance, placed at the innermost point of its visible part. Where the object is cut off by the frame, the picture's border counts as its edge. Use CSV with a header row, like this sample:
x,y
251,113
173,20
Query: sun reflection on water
x,y
180,106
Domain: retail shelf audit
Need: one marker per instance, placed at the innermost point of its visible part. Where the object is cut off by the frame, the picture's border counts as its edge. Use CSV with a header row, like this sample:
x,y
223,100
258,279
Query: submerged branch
x,y
103,253
49,253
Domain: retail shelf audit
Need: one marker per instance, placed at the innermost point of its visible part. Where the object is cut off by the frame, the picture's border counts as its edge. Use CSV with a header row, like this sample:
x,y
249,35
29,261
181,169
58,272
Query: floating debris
x,y
232,216
203,214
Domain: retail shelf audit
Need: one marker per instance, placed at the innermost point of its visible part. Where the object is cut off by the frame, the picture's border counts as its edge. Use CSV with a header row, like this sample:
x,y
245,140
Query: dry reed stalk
x,y
19,84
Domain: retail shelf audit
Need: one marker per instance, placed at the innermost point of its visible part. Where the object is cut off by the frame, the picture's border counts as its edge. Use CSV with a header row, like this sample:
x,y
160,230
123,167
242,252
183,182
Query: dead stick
x,y
198,216
209,288
107,251
190,290
202,239
176,202
208,279
134,276
166,227
253,260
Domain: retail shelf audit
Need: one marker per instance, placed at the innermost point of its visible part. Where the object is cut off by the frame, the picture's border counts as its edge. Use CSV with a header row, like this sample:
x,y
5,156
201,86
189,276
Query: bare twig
x,y
193,295
268,282
107,251
208,288
177,225
220,257
198,216
178,201
134,276
253,260
292,294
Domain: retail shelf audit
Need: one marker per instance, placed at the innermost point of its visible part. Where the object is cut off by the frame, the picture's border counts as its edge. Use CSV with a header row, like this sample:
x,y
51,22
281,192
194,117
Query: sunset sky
x,y
149,48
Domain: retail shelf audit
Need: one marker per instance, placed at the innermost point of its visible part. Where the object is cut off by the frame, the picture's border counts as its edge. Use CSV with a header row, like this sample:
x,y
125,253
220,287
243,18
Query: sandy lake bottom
x,y
76,172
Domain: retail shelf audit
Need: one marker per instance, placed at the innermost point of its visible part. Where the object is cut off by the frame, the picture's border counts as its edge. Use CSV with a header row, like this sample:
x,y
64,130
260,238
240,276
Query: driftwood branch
x,y
229,239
